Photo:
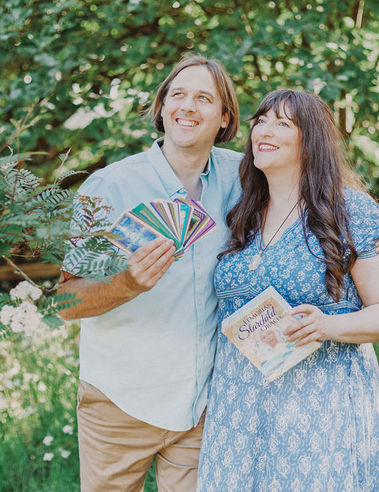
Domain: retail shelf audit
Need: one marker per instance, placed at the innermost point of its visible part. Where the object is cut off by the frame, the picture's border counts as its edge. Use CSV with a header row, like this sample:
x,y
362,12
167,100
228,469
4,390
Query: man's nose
x,y
188,104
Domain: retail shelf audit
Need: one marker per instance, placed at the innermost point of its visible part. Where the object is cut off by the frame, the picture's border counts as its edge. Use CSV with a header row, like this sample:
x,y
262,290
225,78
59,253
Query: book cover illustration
x,y
182,221
256,329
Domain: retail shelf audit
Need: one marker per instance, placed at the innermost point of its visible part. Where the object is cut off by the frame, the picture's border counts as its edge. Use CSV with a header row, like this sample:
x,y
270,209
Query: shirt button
x,y
200,303
198,266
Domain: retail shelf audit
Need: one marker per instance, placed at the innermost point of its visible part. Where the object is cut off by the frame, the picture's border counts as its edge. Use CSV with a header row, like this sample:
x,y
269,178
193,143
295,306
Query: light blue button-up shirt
x,y
153,356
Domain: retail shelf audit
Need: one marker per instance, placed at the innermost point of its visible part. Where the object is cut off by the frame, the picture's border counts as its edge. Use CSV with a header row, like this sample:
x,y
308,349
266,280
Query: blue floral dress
x,y
316,427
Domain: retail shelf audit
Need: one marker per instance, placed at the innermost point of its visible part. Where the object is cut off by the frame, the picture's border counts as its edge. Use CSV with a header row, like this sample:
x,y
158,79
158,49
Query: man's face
x,y
192,111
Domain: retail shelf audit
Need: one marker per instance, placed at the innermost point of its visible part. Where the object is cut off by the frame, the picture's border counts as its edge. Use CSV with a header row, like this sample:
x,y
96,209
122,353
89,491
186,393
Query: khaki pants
x,y
116,450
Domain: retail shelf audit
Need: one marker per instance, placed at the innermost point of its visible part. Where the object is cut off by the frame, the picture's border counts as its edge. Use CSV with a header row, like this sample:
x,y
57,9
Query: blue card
x,y
131,235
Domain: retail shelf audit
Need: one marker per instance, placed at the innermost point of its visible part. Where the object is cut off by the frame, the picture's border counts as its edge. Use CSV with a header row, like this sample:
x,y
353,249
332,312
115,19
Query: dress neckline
x,y
284,234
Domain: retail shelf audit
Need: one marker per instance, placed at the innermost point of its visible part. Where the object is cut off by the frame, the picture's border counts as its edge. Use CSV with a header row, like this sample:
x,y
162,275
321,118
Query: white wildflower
x,y
64,453
68,429
23,318
28,308
25,290
6,314
17,327
47,440
42,386
48,456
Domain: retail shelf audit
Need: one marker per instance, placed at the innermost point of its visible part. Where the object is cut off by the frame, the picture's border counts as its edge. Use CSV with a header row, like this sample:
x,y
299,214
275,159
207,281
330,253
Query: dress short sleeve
x,y
363,213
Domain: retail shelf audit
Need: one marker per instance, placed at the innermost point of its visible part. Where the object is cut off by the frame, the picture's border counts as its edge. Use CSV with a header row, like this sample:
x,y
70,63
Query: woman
x,y
302,226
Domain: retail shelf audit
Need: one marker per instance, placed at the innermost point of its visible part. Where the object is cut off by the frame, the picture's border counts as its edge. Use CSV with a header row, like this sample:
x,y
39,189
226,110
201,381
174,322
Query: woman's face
x,y
276,142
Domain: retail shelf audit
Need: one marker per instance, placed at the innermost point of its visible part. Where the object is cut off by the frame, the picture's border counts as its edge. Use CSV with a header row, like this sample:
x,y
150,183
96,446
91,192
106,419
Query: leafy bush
x,y
86,71
37,222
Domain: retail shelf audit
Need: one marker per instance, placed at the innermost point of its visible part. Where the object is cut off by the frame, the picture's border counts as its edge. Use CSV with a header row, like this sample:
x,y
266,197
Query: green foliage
x,y
25,310
38,381
90,252
86,70
29,212
37,222
150,482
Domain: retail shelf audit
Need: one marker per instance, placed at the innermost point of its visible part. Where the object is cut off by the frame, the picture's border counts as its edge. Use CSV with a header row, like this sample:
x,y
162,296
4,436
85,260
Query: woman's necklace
x,y
256,259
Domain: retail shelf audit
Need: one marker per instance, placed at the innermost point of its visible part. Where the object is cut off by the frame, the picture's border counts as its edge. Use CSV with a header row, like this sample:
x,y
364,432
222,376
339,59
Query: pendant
x,y
255,261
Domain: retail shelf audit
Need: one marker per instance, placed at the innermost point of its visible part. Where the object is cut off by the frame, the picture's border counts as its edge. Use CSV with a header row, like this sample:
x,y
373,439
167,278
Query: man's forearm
x,y
146,266
97,297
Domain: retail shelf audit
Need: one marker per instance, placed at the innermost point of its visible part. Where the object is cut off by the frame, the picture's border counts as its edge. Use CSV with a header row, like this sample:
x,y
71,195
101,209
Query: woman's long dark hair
x,y
324,172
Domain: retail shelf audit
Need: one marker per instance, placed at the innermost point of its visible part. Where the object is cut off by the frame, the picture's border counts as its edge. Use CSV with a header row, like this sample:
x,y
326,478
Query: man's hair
x,y
224,86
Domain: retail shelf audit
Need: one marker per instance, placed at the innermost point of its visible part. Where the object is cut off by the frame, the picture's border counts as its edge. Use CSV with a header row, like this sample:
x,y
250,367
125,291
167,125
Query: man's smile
x,y
189,123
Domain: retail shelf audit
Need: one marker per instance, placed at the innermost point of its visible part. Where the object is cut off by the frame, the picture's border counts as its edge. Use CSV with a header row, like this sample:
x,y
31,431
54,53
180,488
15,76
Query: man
x,y
148,335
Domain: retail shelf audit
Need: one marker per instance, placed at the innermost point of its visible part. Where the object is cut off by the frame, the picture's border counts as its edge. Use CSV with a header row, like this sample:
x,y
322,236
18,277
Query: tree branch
x,y
19,271
359,17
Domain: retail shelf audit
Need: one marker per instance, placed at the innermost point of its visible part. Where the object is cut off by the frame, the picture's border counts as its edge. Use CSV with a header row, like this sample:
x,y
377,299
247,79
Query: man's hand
x,y
377,247
148,264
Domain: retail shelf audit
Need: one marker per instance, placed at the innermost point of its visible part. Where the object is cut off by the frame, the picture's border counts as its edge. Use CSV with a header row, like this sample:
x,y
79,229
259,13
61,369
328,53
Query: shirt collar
x,y
165,172
207,169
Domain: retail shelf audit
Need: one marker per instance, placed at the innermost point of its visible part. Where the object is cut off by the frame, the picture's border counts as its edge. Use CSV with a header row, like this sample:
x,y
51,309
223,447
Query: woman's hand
x,y
361,326
310,325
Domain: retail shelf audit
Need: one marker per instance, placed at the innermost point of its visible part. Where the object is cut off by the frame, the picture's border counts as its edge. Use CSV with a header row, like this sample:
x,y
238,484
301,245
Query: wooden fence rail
x,y
33,270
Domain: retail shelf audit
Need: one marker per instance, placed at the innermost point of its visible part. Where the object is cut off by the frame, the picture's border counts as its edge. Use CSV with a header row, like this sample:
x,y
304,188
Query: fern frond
x,y
67,174
22,179
13,159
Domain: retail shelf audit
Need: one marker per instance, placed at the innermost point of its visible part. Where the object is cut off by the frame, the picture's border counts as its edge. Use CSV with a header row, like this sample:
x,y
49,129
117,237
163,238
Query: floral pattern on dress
x,y
316,427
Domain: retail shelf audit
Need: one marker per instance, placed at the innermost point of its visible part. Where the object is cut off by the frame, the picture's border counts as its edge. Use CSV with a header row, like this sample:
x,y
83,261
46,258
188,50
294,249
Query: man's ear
x,y
225,120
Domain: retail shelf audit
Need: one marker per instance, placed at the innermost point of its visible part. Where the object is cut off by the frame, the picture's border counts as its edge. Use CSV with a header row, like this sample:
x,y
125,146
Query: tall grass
x,y
38,433
38,379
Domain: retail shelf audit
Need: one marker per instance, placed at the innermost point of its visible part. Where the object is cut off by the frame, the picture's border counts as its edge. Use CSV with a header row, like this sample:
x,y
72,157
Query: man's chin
x,y
188,143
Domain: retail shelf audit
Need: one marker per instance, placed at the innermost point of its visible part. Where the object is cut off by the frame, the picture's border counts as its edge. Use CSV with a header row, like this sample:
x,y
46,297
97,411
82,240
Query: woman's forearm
x,y
314,325
358,327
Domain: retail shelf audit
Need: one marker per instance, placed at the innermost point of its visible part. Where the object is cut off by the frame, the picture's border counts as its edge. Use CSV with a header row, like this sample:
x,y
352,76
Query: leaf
x,y
52,321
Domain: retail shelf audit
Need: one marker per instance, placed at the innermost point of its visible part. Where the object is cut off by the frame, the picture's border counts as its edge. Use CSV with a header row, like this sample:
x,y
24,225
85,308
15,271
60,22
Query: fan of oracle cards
x,y
182,221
